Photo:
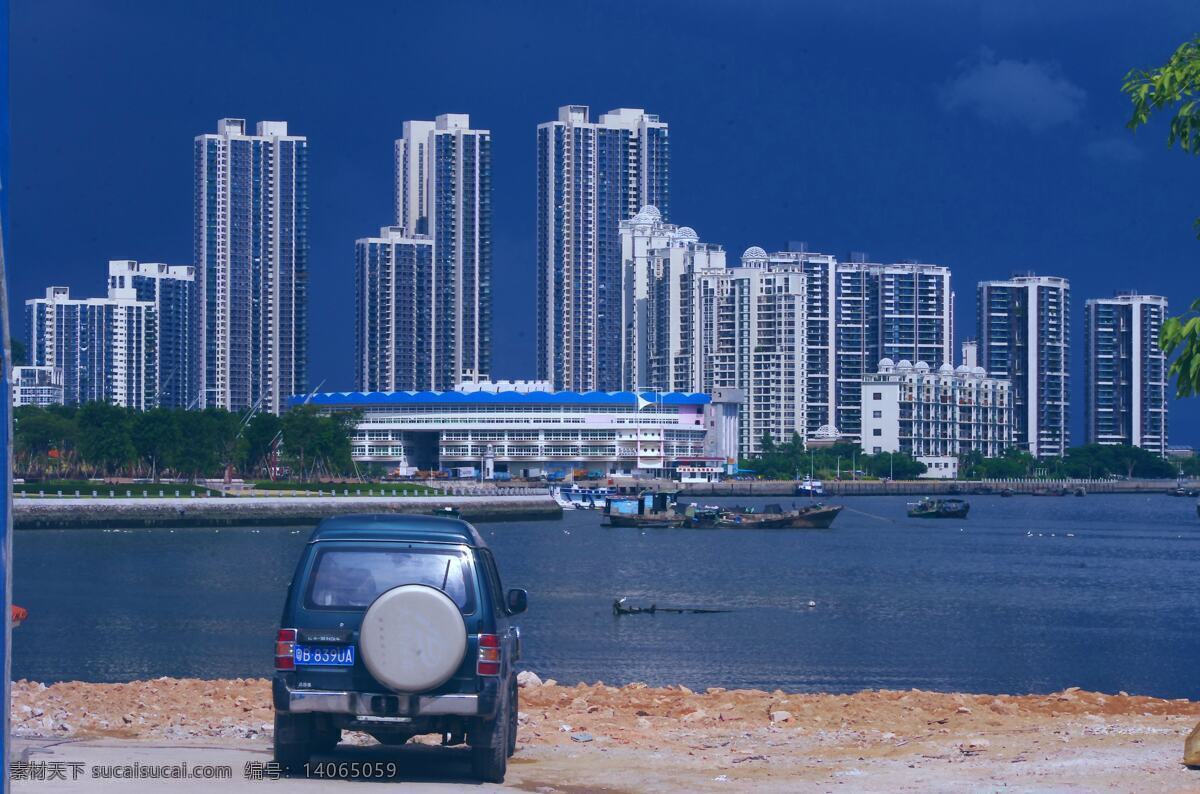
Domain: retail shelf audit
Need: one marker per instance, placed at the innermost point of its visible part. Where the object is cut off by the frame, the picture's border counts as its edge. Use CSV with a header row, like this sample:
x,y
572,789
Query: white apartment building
x,y
661,263
39,386
935,414
443,191
1025,337
251,251
1126,392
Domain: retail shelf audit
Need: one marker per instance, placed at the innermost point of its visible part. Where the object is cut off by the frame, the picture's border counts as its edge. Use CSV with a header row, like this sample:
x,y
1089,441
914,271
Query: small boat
x,y
770,517
1081,491
576,498
18,615
938,508
700,517
816,516
810,487
650,509
1008,492
1181,491
619,608
448,511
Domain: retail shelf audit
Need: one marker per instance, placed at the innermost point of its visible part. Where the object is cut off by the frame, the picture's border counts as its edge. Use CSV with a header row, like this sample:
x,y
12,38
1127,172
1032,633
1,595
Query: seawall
x,y
88,513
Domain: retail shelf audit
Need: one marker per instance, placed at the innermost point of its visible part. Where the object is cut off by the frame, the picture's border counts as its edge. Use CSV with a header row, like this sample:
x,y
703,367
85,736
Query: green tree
x,y
1175,87
258,435
155,436
104,439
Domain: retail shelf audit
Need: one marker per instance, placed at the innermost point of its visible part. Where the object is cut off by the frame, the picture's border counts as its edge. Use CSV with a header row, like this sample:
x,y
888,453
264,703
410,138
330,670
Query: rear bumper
x,y
384,704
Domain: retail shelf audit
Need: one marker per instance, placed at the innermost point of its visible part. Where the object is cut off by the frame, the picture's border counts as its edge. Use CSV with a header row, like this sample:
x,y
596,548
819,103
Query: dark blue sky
x,y
984,136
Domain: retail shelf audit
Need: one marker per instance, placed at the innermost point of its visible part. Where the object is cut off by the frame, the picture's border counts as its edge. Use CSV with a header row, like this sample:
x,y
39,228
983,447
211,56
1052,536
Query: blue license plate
x,y
324,655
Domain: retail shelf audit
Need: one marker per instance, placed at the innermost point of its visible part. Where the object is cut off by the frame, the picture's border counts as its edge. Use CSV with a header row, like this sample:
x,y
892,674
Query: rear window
x,y
353,578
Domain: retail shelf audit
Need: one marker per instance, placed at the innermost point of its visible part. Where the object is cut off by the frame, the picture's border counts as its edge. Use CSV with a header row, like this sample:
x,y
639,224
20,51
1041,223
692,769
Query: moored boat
x,y
650,509
576,498
938,508
816,516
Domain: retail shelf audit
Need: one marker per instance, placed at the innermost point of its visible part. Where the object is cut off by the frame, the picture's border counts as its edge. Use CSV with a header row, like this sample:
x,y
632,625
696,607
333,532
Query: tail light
x,y
285,647
489,655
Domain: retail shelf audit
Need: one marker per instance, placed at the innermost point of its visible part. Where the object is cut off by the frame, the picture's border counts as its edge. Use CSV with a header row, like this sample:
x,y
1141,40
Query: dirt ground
x,y
637,738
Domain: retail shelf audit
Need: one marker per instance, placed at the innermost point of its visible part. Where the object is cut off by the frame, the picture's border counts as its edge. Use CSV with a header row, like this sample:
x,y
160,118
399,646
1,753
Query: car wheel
x,y
489,750
513,704
293,743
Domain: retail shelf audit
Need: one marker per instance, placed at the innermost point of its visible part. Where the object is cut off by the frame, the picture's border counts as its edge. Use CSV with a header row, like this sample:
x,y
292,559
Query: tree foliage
x,y
1175,86
99,439
790,460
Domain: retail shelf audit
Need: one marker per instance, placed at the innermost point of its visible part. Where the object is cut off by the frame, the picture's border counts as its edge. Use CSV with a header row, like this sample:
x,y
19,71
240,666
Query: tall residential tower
x,y
591,176
1025,336
251,251
443,191
1126,372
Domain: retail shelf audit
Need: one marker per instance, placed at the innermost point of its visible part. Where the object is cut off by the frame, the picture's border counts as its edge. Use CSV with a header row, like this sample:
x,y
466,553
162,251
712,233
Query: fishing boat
x,y
810,487
650,509
769,517
701,517
814,516
576,498
938,508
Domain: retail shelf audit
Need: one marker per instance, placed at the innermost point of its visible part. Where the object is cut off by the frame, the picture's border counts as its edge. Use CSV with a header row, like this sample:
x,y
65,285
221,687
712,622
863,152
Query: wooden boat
x,y
650,509
701,517
770,517
939,508
816,516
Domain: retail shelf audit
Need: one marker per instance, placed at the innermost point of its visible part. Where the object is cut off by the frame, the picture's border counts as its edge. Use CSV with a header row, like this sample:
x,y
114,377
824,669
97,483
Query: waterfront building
x,y
591,176
1024,337
857,313
394,331
251,253
39,386
935,414
659,310
443,191
750,328
1125,400
173,291
522,431
106,348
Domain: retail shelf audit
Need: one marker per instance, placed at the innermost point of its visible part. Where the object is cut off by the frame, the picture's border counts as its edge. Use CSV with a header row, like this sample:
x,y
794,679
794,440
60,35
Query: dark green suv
x,y
397,626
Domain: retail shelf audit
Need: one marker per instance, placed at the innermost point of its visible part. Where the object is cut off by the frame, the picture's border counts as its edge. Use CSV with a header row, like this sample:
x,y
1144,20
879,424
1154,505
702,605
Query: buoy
x,y
812,603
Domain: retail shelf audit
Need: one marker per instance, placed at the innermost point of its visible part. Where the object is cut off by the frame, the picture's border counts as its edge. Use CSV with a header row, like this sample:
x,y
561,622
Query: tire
x,y
293,743
489,750
413,638
513,704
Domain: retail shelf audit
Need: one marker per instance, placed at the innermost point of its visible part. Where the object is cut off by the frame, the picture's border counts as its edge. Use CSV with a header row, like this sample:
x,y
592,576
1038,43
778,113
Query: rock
x,y
694,716
973,746
528,678
643,723
781,716
1191,748
962,710
581,736
549,682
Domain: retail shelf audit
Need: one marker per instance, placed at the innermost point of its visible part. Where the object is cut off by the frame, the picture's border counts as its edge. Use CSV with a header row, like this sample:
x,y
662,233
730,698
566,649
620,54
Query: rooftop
x,y
358,398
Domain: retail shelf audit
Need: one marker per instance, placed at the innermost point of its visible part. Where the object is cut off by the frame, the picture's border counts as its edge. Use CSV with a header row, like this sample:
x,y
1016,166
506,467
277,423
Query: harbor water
x,y
1026,595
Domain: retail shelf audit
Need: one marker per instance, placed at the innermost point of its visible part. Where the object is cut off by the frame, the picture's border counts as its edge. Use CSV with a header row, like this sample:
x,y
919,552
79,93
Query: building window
x,y
877,395
876,450
877,414
877,432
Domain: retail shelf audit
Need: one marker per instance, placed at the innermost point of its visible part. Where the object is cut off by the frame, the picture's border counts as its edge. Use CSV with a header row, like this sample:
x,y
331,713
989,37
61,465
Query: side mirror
x,y
518,601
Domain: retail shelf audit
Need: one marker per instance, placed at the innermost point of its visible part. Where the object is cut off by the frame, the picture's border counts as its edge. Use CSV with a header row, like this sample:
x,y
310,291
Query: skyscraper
x,y
394,340
1025,336
251,251
173,291
1125,399
591,176
443,190
106,348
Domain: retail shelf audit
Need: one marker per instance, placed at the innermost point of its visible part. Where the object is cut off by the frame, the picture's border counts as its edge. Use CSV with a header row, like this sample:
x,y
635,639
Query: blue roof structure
x,y
354,399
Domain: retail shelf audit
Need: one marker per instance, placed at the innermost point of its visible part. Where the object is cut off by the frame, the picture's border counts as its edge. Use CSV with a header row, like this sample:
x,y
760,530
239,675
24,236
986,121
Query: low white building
x,y
525,432
935,415
37,386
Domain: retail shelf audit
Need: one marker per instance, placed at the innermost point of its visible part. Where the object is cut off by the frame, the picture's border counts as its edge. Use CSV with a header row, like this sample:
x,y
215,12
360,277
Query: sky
x,y
986,136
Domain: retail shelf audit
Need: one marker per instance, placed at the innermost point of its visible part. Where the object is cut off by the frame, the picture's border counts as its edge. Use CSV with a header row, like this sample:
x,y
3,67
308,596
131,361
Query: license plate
x,y
324,655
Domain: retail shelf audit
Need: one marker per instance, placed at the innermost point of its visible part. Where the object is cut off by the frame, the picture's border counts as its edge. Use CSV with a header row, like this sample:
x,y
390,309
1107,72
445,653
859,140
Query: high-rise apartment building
x,y
751,324
1125,399
251,254
106,348
394,338
1024,337
591,176
661,264
443,191
174,292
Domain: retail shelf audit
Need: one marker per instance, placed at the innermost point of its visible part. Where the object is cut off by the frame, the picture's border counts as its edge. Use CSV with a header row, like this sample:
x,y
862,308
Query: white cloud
x,y
1030,94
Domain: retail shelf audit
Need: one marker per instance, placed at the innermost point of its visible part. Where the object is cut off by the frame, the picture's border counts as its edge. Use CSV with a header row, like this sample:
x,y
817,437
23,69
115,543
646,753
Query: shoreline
x,y
150,512
642,738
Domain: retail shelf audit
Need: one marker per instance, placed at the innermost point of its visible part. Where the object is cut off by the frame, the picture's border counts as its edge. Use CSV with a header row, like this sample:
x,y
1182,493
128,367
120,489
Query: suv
x,y
397,626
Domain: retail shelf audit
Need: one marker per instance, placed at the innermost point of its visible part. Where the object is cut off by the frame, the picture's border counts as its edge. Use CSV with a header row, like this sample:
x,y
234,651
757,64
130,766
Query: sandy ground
x,y
636,738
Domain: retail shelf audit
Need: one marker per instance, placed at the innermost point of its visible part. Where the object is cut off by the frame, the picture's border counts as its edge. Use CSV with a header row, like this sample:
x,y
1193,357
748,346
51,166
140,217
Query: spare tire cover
x,y
412,638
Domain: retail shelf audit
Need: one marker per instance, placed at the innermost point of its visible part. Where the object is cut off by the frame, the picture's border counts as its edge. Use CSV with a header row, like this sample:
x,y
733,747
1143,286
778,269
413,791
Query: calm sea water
x,y
1027,595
